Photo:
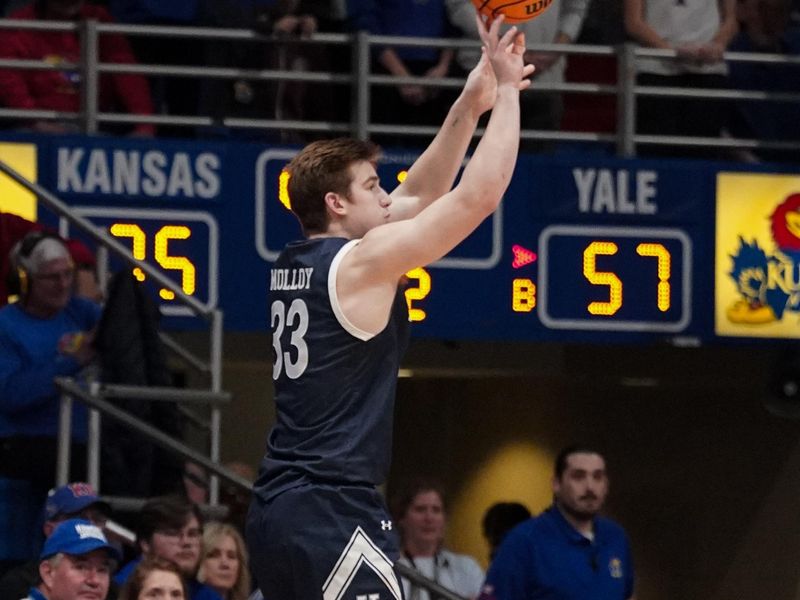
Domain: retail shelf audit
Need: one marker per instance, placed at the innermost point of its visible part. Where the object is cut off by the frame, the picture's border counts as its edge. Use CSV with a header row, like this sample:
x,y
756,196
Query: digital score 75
x,y
184,244
632,279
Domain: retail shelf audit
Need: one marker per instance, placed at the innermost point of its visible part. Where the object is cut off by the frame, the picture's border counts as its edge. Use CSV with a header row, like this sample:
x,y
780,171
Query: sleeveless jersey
x,y
334,384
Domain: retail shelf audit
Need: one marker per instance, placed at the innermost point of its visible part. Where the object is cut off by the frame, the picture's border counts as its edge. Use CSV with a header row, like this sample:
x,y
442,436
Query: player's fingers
x,y
524,84
482,28
519,44
494,28
528,70
508,37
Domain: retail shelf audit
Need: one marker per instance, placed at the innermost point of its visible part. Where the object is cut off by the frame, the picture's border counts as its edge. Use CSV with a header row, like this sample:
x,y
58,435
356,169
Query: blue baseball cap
x,y
72,498
77,537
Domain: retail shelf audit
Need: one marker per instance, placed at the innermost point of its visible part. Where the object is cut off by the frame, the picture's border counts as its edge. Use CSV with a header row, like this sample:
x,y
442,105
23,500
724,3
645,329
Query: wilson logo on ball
x,y
515,11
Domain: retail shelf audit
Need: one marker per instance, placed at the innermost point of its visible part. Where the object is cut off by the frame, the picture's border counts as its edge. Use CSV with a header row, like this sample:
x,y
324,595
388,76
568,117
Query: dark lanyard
x,y
415,589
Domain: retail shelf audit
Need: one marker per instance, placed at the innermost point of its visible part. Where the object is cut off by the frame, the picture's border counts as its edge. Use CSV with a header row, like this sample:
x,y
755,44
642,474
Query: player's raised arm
x,y
433,173
388,251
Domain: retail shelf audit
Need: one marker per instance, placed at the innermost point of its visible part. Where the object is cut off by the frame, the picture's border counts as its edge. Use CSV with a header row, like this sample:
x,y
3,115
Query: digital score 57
x,y
628,279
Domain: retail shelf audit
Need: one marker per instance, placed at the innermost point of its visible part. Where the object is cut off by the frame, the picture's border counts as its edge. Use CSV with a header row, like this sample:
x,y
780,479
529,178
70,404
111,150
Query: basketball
x,y
515,11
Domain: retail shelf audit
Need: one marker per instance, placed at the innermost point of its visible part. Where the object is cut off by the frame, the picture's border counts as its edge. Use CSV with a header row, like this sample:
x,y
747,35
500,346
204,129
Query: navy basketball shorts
x,y
324,542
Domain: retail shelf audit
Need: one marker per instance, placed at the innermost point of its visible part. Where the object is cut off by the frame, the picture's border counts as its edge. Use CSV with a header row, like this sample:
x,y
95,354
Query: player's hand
x,y
506,54
481,87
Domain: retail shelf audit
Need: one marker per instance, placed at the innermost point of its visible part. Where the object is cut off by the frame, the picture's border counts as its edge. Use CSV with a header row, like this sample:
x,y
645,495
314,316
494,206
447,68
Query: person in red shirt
x,y
60,89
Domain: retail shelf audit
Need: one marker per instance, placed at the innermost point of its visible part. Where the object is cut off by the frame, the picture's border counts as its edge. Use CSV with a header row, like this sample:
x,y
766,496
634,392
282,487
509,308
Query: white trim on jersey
x,y
362,335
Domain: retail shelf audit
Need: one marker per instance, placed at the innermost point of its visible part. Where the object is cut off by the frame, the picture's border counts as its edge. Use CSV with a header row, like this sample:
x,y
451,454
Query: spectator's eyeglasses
x,y
56,277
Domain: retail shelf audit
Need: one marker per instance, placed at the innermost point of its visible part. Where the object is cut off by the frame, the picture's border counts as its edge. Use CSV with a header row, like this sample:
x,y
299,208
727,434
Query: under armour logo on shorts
x,y
385,526
368,597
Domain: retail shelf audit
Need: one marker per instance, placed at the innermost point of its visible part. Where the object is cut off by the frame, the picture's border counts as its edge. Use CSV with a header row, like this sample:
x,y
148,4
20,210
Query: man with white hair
x,y
76,563
47,333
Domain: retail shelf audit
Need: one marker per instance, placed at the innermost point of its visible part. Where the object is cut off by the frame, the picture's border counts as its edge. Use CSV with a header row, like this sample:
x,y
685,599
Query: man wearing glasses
x,y
45,334
171,527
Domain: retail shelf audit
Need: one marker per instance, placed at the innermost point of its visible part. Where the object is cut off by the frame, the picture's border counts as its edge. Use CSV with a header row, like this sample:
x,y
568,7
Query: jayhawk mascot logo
x,y
768,283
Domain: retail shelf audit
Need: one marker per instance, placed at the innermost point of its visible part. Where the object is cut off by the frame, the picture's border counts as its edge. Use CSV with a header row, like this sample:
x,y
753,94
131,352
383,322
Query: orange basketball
x,y
515,11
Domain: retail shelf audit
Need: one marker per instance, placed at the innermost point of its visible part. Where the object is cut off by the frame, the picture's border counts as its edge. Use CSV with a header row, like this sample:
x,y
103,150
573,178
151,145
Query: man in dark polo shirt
x,y
568,552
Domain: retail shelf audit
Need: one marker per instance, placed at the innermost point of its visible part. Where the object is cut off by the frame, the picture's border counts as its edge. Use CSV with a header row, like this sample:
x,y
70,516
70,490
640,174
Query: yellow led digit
x,y
177,263
419,292
523,297
129,230
283,188
602,278
664,267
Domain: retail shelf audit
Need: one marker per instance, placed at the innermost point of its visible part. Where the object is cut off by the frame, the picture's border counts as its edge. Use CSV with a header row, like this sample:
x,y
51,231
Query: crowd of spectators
x,y
699,31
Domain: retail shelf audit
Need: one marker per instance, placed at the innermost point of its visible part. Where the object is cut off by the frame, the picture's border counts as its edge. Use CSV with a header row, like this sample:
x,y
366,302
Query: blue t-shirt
x,y
334,385
30,359
409,18
545,558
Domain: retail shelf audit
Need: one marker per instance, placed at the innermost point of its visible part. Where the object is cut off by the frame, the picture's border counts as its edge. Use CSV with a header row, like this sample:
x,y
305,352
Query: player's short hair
x,y
560,464
321,167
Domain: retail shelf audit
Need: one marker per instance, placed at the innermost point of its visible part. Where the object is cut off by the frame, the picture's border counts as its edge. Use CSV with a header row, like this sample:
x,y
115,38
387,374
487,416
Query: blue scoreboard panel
x,y
583,248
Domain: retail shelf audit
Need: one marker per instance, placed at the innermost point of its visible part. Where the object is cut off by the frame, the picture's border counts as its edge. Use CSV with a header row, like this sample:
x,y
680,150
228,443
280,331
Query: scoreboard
x,y
583,247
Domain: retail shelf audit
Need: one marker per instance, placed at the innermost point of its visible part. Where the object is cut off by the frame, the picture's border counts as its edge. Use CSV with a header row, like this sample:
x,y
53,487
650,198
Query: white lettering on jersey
x,y
290,279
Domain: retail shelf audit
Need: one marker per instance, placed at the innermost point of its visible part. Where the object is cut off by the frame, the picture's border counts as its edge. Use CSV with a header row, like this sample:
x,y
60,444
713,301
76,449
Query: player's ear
x,y
335,203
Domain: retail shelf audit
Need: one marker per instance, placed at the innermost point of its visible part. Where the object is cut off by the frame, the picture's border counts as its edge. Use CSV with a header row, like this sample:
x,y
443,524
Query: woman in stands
x,y
223,562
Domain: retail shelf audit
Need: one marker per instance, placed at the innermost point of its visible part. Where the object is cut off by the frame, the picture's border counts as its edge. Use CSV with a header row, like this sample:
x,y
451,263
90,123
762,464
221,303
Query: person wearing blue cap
x,y
75,564
70,501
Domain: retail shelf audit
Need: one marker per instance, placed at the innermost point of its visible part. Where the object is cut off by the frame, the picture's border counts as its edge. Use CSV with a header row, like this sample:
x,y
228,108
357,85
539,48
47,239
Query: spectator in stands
x,y
499,519
155,578
72,501
172,528
281,20
59,89
407,104
76,563
560,24
13,228
419,511
46,334
224,562
171,95
699,31
766,28
568,551
239,98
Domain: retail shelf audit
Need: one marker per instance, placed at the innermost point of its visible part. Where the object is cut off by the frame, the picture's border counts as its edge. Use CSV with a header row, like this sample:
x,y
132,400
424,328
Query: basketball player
x,y
317,527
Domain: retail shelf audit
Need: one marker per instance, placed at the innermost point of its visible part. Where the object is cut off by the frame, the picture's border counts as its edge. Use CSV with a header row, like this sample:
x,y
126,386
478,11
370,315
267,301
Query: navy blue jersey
x,y
334,384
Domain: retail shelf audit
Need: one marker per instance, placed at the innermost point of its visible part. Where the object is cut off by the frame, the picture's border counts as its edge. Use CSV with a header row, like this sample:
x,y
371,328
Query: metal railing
x,y
214,317
361,81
